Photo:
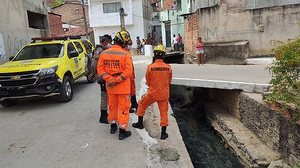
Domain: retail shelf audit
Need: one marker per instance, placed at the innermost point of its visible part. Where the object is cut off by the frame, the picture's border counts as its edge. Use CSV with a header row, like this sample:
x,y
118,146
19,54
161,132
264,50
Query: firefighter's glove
x,y
115,81
118,79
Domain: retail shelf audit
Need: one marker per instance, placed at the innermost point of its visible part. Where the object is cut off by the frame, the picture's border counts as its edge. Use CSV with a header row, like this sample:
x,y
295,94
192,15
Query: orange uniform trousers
x,y
146,101
118,106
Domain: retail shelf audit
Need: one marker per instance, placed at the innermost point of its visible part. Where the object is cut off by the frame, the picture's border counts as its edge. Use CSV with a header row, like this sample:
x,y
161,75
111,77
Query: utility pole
x,y
122,18
84,18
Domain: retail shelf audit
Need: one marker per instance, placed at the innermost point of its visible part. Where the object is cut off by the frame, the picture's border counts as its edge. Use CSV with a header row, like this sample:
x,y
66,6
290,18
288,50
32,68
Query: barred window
x,y
112,7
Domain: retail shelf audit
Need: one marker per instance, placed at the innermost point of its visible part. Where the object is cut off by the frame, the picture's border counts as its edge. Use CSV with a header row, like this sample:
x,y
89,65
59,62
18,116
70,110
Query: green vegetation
x,y
285,91
296,166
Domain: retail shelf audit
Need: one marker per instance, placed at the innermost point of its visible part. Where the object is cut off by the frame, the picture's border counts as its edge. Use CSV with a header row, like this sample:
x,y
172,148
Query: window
x,y
88,46
36,20
40,52
71,49
112,7
176,5
79,47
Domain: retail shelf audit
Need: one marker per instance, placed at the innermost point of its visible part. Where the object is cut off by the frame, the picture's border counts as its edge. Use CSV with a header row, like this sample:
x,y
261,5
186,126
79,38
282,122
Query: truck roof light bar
x,y
54,38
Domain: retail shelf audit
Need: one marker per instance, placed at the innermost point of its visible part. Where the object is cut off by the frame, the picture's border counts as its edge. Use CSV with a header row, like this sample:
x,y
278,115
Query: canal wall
x,y
273,129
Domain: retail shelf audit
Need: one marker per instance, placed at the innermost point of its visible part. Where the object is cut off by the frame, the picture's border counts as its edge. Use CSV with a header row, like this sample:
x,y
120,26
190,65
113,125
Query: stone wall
x,y
273,129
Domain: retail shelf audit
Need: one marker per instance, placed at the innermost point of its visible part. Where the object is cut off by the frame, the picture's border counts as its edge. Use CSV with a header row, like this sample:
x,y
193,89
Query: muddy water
x,y
205,147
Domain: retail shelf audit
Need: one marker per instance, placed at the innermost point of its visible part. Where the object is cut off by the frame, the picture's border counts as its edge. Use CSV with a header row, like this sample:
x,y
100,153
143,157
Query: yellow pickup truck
x,y
46,67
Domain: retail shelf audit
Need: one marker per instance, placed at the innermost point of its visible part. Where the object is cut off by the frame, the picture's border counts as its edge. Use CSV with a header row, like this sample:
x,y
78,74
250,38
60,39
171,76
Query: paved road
x,y
44,133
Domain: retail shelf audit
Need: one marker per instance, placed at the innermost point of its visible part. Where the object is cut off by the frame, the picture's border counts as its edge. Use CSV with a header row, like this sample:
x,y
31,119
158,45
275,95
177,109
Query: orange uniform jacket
x,y
159,77
115,63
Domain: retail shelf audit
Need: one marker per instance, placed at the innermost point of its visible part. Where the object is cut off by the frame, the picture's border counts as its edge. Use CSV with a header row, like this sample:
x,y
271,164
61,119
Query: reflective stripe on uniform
x,y
114,52
123,126
116,74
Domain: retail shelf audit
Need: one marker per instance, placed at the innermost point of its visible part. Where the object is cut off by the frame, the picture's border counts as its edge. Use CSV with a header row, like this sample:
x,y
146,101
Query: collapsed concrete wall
x,y
235,52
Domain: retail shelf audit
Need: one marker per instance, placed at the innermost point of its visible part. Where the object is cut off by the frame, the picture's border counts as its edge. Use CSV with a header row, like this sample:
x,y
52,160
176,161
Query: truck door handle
x,y
79,58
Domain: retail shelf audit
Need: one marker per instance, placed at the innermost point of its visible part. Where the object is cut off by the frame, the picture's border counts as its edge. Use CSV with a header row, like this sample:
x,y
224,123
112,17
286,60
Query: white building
x,y
105,18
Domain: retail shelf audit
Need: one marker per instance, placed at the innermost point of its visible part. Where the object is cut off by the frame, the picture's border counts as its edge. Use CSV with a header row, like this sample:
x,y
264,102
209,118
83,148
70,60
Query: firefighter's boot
x,y
164,134
139,124
103,117
123,134
113,128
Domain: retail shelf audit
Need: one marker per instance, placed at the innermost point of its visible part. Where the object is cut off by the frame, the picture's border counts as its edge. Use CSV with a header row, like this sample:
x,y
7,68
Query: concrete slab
x,y
249,78
218,84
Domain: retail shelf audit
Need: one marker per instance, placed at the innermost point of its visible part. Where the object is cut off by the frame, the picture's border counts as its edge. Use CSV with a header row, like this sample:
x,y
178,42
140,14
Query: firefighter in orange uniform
x,y
158,77
115,67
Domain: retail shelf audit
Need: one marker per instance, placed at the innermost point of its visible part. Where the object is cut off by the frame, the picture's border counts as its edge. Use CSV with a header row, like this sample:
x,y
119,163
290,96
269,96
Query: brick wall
x,y
168,4
55,24
72,13
191,33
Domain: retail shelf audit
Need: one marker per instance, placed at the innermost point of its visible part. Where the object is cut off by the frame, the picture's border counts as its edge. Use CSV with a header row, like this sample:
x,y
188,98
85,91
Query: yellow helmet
x,y
160,48
123,36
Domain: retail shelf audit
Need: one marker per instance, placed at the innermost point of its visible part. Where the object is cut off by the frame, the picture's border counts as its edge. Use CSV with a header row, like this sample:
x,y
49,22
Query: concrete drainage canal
x,y
206,148
230,128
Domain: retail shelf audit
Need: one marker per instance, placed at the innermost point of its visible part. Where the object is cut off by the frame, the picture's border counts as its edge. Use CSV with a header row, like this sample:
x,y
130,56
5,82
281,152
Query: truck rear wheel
x,y
66,93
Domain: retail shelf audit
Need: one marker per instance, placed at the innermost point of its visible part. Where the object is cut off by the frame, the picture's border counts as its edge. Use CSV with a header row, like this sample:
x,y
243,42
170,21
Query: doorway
x,y
168,34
